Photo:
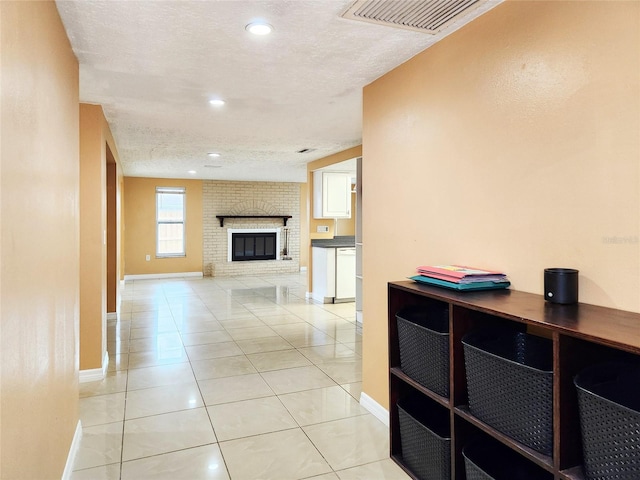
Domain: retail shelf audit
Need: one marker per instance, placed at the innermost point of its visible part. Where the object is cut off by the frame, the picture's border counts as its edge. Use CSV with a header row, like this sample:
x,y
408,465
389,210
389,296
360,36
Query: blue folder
x,y
461,286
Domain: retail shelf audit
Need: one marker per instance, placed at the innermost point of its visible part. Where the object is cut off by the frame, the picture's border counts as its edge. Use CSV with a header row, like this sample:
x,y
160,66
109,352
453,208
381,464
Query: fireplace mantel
x,y
283,217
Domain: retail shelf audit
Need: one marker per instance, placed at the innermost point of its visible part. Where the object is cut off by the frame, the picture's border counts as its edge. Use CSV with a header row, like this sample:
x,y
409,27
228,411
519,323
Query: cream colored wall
x,y
39,261
512,144
140,227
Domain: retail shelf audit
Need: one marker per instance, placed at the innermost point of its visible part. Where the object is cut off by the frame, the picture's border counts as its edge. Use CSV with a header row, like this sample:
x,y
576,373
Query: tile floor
x,y
230,378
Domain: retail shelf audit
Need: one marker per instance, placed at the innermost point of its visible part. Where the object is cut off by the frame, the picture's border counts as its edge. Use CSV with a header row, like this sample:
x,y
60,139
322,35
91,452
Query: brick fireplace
x,y
249,198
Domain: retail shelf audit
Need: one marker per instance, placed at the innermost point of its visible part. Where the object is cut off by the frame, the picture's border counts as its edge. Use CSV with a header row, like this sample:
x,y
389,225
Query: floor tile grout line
x,y
255,313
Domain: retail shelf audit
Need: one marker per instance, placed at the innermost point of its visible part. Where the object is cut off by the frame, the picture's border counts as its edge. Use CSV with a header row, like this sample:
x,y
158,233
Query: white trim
x,y
73,451
95,374
308,295
374,408
149,276
112,315
359,317
122,282
303,269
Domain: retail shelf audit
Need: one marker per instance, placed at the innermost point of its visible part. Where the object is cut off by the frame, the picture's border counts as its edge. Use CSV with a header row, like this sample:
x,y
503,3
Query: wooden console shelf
x,y
283,217
581,334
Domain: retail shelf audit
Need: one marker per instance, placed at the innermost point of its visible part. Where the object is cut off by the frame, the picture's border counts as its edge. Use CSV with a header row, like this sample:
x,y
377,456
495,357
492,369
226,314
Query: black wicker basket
x,y
510,384
609,405
489,460
423,337
425,440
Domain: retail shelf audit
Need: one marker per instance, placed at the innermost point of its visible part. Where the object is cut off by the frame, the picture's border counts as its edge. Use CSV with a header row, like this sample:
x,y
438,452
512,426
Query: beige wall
x,y
112,236
93,223
39,242
512,144
97,147
140,227
347,226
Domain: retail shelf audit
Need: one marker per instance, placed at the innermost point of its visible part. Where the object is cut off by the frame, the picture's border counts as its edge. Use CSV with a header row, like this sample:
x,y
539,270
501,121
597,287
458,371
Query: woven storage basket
x,y
425,440
489,460
510,384
423,337
609,405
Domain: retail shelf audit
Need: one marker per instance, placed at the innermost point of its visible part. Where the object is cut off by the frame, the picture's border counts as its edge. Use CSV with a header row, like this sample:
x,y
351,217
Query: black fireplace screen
x,y
253,246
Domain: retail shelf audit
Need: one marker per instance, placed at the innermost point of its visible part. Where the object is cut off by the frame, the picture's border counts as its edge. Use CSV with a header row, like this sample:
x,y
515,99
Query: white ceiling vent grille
x,y
427,16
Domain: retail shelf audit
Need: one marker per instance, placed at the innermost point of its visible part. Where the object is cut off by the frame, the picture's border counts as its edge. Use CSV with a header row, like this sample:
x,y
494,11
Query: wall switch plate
x,y
148,258
322,229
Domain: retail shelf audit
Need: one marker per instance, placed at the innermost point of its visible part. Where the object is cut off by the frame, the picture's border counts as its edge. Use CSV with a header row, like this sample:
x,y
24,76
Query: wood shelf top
x,y
396,371
574,473
538,458
606,326
283,217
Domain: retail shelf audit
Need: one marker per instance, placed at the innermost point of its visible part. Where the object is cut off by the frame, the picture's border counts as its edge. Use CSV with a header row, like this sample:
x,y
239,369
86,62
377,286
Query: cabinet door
x,y
336,195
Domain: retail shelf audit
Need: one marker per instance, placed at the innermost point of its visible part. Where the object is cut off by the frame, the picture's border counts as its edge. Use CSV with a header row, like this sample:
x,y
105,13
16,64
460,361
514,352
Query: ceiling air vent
x,y
427,16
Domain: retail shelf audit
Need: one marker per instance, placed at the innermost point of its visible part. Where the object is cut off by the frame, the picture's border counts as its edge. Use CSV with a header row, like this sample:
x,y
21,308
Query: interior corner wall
x,y
314,223
140,227
39,242
93,235
512,144
112,235
305,205
315,165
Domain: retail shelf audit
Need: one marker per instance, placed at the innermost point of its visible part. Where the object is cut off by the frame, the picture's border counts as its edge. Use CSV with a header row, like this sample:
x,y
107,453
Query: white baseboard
x,y
322,299
112,315
359,317
374,408
95,374
150,276
73,450
308,295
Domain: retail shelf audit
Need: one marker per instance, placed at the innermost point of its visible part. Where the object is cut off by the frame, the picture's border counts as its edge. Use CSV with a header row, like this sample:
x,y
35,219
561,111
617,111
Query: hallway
x,y
230,377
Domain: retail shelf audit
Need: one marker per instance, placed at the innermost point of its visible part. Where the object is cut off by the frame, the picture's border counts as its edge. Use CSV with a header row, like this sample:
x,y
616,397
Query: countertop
x,y
336,242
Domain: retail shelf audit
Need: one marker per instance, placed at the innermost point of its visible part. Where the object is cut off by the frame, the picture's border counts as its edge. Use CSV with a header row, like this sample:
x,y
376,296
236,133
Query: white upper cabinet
x,y
331,194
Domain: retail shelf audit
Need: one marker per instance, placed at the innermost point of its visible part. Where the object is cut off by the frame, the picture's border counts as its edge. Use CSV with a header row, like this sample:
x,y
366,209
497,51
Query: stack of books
x,y
458,277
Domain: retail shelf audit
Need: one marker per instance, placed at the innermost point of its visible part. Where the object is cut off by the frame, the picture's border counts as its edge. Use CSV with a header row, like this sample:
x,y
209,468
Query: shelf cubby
x,y
582,335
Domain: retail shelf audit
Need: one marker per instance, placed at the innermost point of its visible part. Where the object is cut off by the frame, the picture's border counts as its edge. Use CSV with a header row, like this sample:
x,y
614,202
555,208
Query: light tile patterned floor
x,y
231,378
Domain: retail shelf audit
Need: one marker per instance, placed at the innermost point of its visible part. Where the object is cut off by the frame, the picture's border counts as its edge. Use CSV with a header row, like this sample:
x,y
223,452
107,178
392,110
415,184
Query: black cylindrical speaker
x,y
561,285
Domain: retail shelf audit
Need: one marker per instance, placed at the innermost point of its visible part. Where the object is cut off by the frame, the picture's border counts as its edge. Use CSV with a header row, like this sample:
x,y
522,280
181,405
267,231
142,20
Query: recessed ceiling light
x,y
216,102
213,166
192,172
259,28
214,155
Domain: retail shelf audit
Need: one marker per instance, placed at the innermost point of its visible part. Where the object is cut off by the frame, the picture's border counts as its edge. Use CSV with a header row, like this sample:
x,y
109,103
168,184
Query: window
x,y
170,215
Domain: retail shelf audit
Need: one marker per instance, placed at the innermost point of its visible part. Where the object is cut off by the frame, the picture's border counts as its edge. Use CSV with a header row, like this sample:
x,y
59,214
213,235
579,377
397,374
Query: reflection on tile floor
x,y
234,378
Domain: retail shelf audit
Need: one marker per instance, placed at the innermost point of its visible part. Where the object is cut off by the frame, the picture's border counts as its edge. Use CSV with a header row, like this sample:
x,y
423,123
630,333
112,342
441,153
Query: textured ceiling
x,y
154,65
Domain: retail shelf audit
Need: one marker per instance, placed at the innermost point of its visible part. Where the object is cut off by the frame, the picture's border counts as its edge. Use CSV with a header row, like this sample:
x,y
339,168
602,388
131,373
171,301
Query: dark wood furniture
x,y
283,217
582,335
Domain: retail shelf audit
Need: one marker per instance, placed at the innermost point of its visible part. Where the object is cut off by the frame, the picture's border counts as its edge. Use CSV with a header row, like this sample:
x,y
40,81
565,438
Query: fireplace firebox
x,y
253,246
